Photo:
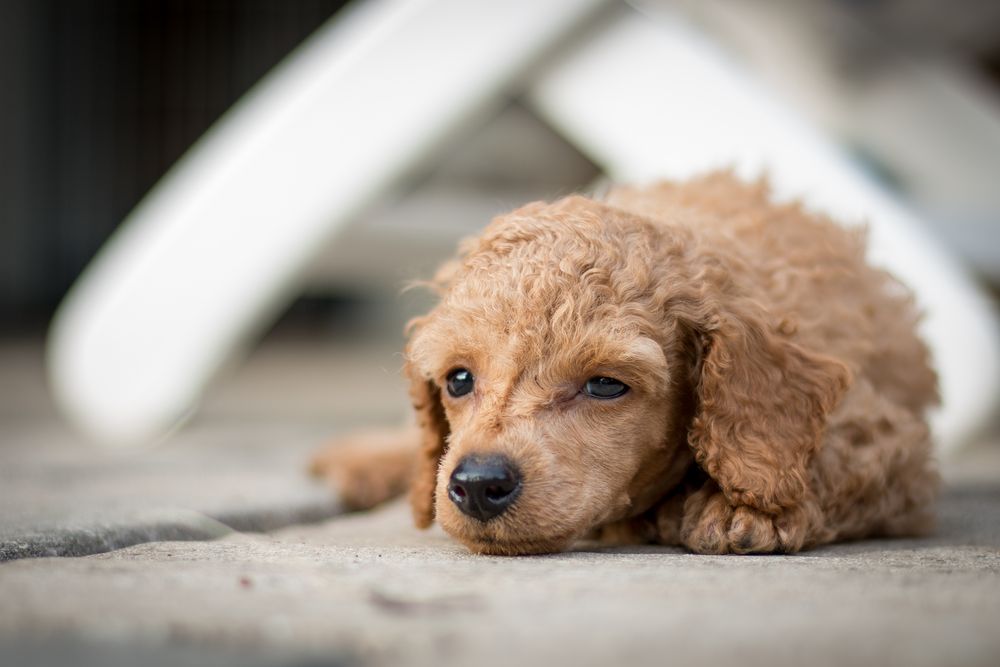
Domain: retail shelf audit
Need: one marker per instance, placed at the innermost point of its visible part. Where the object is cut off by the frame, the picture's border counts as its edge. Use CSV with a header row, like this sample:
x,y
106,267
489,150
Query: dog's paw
x,y
352,475
365,470
711,525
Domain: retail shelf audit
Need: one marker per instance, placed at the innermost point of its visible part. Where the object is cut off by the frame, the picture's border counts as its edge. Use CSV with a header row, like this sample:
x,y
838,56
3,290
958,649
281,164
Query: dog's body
x,y
684,364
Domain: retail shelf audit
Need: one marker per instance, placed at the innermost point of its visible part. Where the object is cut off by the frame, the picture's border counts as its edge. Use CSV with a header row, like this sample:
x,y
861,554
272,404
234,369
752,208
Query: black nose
x,y
484,486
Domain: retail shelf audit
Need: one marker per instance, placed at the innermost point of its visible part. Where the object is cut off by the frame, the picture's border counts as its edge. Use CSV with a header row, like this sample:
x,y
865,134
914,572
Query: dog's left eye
x,y
604,387
460,382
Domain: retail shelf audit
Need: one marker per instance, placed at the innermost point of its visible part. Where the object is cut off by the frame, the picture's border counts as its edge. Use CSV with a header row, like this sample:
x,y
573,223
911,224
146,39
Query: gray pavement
x,y
370,589
61,498
239,465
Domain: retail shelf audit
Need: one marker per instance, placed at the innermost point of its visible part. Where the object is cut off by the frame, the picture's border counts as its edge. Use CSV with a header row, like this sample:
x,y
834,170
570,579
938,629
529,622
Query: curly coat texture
x,y
777,385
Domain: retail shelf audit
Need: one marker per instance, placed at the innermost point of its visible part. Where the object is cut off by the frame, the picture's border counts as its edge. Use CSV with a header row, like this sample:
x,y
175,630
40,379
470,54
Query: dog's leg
x,y
872,476
369,468
875,475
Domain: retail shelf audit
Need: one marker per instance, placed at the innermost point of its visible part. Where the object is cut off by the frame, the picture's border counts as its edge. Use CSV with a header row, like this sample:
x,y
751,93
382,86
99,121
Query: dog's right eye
x,y
604,387
460,382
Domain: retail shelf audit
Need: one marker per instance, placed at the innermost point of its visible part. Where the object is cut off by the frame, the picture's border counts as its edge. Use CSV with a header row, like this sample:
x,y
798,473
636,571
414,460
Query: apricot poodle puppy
x,y
684,364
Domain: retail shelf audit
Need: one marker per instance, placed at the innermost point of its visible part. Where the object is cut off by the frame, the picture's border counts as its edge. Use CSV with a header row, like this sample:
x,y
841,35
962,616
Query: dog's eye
x,y
603,387
460,382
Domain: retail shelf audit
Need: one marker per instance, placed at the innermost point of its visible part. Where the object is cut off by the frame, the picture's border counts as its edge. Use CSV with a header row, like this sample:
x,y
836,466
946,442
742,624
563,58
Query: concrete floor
x,y
370,589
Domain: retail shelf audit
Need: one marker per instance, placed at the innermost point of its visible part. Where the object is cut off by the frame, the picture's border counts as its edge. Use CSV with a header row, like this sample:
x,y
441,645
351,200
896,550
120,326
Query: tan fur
x,y
777,383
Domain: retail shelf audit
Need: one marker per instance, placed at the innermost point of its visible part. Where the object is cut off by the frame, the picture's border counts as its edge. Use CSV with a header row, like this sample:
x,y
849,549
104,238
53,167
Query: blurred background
x,y
101,97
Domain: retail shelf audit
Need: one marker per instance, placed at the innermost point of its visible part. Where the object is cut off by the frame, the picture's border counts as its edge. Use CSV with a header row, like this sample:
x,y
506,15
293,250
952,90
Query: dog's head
x,y
562,381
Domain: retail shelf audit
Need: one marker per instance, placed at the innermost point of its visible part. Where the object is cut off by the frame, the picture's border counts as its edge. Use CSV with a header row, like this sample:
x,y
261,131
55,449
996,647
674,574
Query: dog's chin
x,y
527,547
507,542
508,534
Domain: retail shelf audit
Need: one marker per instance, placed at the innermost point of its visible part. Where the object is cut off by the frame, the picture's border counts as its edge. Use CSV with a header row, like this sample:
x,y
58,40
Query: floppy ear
x,y
763,403
426,398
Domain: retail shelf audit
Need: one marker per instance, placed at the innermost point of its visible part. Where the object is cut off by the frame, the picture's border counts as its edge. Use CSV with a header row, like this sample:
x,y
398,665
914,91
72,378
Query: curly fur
x,y
778,387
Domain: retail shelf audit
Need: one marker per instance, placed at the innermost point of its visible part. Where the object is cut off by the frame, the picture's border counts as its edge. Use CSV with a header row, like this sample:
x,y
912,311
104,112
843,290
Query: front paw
x,y
711,525
366,469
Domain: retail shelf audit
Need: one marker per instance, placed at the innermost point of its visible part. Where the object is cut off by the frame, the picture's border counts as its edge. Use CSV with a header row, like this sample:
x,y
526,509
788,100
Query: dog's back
x,y
809,272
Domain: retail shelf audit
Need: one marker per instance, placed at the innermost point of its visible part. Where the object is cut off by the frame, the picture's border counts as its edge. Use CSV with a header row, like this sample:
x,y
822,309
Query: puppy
x,y
685,364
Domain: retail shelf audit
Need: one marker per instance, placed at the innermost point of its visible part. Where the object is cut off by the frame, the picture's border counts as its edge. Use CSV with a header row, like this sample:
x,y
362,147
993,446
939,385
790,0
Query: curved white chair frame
x,y
221,243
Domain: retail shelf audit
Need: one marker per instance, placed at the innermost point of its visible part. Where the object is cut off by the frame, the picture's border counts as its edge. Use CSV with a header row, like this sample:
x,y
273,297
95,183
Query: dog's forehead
x,y
553,265
564,329
549,256
551,283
